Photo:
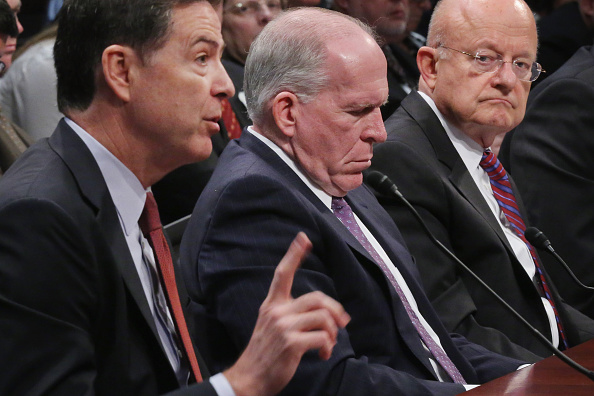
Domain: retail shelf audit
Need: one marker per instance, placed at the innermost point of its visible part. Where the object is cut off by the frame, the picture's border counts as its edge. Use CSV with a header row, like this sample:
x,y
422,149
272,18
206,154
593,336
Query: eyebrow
x,y
207,40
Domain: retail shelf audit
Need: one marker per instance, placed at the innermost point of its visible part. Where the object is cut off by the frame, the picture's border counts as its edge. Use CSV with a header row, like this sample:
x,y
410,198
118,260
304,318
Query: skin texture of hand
x,y
286,328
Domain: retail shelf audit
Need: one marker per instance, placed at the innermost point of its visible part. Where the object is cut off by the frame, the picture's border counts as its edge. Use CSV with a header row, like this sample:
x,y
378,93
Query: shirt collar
x,y
321,194
125,189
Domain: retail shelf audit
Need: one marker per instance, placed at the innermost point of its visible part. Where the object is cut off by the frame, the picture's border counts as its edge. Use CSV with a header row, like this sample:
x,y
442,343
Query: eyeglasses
x,y
254,7
487,61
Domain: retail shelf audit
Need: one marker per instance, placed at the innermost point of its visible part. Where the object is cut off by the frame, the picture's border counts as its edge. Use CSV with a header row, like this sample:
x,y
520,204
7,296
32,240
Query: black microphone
x,y
539,240
384,185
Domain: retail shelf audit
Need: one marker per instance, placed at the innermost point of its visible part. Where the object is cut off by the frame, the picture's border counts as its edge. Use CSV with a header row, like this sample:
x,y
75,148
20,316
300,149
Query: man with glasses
x,y
475,78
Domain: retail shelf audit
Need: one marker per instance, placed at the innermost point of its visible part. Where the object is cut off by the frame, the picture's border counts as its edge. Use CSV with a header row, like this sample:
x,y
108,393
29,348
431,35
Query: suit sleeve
x,y
251,226
553,166
442,278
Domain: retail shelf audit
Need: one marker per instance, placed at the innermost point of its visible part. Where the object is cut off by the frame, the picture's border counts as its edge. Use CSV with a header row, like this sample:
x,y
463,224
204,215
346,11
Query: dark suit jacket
x,y
243,223
420,158
552,161
74,317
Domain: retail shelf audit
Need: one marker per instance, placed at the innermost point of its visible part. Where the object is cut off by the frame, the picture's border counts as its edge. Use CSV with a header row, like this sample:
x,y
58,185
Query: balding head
x,y
450,15
481,103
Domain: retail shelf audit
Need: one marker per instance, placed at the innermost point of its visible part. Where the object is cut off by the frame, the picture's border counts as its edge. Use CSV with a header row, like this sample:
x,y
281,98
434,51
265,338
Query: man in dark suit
x,y
475,78
89,299
551,157
315,81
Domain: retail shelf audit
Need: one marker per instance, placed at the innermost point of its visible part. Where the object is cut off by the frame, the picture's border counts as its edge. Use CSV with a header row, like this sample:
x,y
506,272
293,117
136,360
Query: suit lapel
x,y
83,166
445,152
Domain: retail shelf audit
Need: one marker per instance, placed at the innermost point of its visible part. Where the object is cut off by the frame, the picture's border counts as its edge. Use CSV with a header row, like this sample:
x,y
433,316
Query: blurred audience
x,y
389,19
562,33
28,91
13,140
412,40
11,42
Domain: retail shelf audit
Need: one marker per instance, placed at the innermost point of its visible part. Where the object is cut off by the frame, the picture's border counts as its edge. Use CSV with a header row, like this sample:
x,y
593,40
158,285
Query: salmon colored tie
x,y
151,227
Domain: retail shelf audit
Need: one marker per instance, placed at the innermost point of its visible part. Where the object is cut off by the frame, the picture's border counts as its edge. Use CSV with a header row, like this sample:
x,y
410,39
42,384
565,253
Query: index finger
x,y
285,271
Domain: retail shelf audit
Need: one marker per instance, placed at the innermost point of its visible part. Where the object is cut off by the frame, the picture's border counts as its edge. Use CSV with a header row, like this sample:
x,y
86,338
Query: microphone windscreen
x,y
536,237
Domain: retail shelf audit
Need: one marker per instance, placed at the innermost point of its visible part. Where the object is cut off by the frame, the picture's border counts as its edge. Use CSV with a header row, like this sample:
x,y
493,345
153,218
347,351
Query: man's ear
x,y
285,108
427,64
117,61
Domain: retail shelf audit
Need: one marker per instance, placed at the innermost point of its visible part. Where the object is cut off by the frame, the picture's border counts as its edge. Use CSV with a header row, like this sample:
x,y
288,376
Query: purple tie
x,y
344,213
506,200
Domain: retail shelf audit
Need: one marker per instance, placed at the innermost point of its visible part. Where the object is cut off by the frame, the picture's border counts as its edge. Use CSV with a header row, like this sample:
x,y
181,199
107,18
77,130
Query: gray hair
x,y
289,55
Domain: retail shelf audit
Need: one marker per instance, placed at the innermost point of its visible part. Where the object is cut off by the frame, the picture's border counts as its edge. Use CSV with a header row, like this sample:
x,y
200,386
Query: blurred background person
x,y
241,23
389,19
562,32
13,140
11,42
413,40
28,90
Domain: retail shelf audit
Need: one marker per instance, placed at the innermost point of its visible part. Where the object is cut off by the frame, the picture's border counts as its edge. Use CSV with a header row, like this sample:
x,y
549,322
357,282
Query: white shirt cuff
x,y
221,385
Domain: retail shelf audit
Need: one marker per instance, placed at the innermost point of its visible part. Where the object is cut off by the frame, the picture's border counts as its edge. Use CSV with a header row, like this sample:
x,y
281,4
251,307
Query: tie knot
x,y
338,203
492,166
149,219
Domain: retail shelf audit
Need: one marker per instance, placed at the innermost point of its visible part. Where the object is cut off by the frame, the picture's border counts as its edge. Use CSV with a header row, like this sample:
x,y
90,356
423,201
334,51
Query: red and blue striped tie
x,y
504,196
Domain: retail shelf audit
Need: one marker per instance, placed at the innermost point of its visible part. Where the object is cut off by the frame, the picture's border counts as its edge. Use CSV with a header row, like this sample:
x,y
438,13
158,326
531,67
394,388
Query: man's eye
x,y
202,59
523,65
361,112
485,59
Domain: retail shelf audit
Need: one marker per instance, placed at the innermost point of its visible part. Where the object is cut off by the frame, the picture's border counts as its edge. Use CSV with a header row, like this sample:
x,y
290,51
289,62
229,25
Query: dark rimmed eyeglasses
x,y
488,61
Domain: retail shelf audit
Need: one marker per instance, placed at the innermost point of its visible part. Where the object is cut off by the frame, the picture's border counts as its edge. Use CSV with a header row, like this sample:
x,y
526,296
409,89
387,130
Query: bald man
x,y
475,77
315,81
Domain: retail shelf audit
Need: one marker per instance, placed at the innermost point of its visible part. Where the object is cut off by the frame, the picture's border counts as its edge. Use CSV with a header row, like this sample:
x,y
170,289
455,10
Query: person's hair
x,y
289,55
87,27
8,23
